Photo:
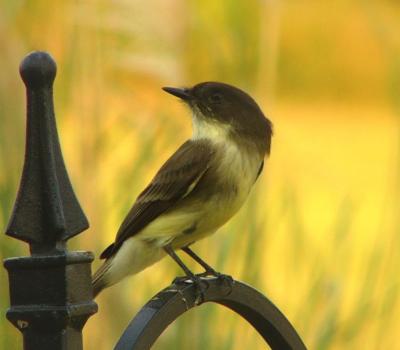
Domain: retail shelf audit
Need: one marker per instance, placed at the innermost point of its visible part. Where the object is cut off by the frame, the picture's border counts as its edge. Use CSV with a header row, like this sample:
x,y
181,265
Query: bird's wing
x,y
174,181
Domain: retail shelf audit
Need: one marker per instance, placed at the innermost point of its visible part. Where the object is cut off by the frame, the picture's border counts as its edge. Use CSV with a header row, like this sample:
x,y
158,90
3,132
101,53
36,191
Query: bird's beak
x,y
182,93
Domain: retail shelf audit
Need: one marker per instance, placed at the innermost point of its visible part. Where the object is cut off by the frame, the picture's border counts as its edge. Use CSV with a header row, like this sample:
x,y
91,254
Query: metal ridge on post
x,y
50,291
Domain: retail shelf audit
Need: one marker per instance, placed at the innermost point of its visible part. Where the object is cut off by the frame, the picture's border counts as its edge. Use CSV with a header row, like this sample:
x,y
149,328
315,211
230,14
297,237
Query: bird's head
x,y
226,107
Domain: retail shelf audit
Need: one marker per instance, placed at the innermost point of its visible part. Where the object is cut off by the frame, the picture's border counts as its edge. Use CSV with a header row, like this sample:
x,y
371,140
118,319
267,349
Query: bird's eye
x,y
216,98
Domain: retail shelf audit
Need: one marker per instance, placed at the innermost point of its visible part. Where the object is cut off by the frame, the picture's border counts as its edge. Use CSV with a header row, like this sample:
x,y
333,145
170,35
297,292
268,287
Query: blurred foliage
x,y
320,233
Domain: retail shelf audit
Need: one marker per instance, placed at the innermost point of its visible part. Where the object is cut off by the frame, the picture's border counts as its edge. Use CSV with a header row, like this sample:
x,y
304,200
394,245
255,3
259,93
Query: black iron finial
x,y
46,212
50,291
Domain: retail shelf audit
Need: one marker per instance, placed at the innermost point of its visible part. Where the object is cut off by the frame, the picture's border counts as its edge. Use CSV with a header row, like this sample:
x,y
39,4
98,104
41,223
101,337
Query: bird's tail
x,y
134,256
99,281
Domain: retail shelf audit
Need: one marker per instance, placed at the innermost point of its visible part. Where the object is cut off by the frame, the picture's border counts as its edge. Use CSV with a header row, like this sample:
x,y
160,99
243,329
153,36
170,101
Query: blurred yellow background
x,y
319,235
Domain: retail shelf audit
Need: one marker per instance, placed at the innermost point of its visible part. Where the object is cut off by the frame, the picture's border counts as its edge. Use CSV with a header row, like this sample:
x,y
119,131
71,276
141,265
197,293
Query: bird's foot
x,y
225,280
200,284
221,276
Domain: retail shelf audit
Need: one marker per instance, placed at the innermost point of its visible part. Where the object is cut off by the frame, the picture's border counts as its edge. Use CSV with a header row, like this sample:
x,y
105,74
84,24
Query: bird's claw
x,y
200,284
224,280
182,279
201,287
220,276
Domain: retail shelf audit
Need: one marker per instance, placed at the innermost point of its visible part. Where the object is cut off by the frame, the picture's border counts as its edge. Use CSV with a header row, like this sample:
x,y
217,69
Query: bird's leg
x,y
200,288
178,260
195,257
208,268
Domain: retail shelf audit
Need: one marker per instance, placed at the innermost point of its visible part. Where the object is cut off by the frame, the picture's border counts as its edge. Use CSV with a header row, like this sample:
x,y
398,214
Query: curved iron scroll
x,y
180,296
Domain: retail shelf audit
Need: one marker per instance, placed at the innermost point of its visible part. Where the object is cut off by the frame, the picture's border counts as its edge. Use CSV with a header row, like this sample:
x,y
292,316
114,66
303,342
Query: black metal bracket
x,y
181,296
50,291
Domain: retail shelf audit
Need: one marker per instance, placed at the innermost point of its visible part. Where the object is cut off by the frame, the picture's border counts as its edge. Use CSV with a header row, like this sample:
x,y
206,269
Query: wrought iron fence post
x,y
50,291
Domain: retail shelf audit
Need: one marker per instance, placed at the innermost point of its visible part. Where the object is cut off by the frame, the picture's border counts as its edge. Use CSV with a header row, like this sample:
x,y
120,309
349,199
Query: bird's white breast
x,y
236,164
238,167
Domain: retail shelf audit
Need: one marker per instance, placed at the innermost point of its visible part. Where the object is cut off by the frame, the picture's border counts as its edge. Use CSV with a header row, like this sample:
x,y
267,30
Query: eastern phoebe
x,y
198,189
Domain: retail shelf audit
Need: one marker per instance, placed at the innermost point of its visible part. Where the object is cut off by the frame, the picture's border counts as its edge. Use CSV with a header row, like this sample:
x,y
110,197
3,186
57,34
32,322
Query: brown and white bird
x,y
198,189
